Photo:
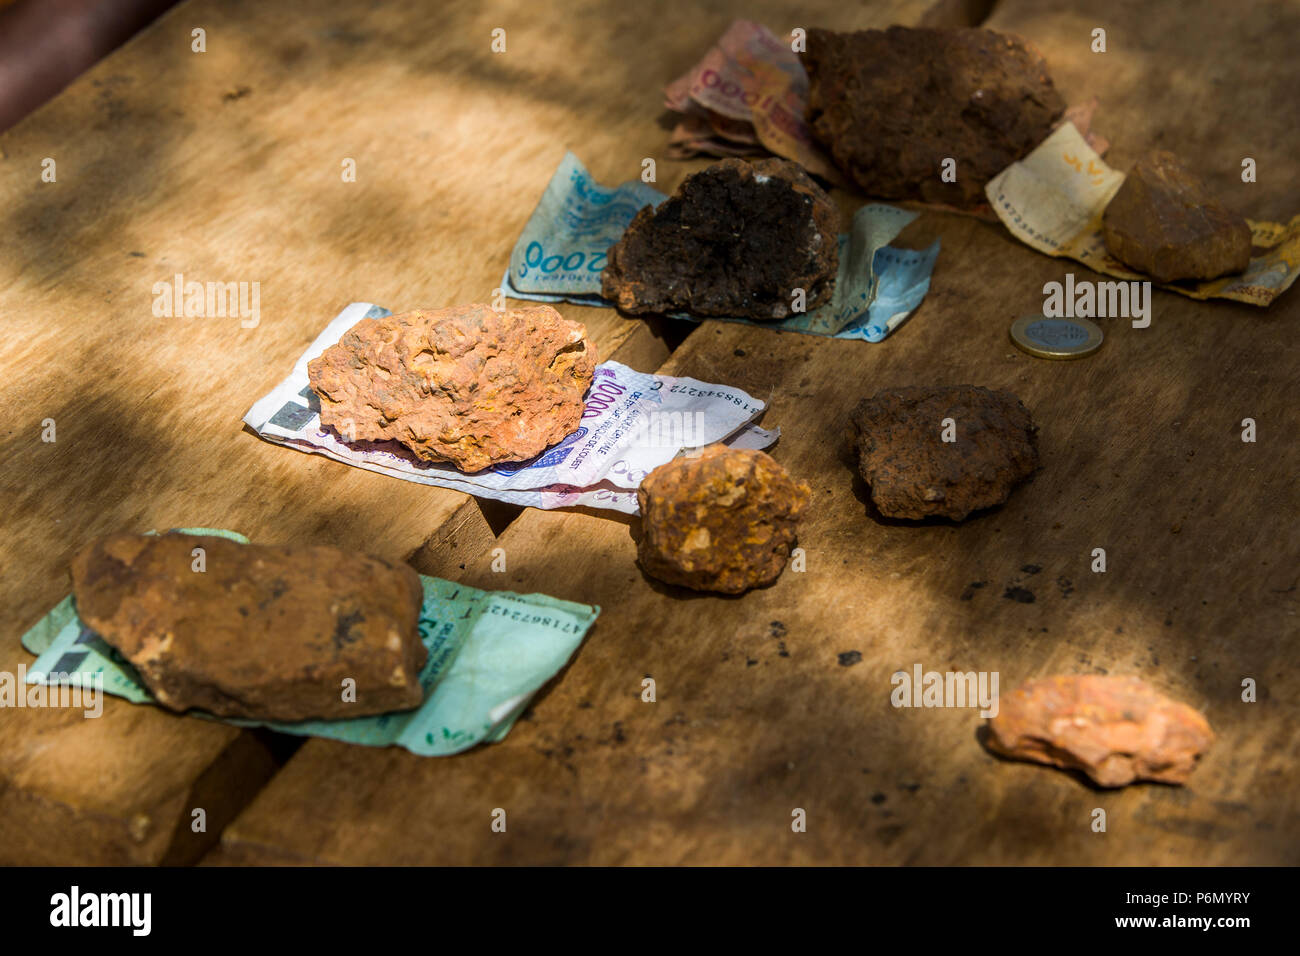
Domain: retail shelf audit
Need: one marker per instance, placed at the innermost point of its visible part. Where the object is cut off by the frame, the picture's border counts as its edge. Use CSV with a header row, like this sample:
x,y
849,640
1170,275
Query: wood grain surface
x,y
225,166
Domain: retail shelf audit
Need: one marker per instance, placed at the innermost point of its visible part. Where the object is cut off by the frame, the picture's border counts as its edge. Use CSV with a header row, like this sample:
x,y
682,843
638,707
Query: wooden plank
x,y
227,166
764,707
757,713
1201,78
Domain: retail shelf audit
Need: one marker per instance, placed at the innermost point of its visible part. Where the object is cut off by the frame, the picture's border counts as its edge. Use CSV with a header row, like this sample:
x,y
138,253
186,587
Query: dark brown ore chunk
x,y
261,632
898,437
1164,222
892,105
736,240
722,521
467,385
1115,729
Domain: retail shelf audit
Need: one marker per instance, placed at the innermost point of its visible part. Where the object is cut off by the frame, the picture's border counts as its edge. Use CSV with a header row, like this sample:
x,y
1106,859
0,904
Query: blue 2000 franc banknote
x,y
562,251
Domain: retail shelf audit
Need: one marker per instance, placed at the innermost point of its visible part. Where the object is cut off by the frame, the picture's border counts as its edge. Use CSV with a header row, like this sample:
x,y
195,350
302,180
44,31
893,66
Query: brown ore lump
x,y
1114,729
255,631
1164,222
892,105
736,240
724,520
899,436
467,385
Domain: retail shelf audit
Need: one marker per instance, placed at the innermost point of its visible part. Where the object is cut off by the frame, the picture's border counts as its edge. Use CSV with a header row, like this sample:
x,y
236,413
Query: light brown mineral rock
x,y
467,385
266,633
724,520
899,435
1114,729
1164,222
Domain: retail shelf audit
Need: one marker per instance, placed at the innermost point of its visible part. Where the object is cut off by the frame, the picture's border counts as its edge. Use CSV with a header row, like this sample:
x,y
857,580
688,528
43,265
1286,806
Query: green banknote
x,y
489,653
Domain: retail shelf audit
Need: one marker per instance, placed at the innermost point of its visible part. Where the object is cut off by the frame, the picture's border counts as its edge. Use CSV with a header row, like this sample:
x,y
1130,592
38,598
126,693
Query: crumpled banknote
x,y
1054,198
749,89
633,422
489,653
561,254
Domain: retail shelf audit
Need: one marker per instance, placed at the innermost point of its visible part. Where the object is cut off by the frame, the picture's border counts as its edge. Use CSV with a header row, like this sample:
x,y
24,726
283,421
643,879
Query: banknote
x,y
1054,198
755,78
561,253
489,653
632,423
711,135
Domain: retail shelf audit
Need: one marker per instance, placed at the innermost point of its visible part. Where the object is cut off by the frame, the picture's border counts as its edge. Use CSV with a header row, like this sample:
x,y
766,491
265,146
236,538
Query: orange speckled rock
x,y
724,520
466,385
1115,729
266,633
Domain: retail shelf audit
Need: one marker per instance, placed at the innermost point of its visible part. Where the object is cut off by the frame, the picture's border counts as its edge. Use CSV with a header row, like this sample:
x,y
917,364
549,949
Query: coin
x,y
1056,338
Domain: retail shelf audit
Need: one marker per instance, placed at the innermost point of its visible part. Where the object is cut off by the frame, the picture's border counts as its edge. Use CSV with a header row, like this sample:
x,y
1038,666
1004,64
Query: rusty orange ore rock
x,y
723,521
1164,221
899,437
736,239
266,633
1115,729
466,385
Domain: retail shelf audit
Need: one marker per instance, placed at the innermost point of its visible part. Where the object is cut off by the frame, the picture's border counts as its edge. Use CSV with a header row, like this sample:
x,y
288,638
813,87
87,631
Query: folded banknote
x,y
1054,199
633,423
489,653
561,254
749,85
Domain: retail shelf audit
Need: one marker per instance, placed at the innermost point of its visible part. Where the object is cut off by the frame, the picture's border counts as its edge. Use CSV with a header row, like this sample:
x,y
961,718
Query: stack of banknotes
x,y
633,423
489,653
561,254
745,97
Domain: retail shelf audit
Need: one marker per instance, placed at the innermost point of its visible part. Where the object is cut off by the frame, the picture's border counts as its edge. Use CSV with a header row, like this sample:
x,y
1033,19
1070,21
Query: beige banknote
x,y
1053,200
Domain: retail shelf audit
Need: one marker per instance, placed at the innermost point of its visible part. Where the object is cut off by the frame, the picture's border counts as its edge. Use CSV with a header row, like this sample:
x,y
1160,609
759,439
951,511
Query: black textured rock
x,y
736,239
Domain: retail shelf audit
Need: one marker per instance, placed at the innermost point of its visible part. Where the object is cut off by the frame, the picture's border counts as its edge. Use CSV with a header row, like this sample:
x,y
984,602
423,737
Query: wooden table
x,y
225,166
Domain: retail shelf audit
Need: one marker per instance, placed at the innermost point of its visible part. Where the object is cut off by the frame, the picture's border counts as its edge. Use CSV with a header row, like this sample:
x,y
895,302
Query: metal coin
x,y
1056,338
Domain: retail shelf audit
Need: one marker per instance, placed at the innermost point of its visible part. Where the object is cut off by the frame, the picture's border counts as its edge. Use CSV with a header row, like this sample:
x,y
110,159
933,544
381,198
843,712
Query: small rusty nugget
x,y
262,632
467,385
723,521
945,451
1115,729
